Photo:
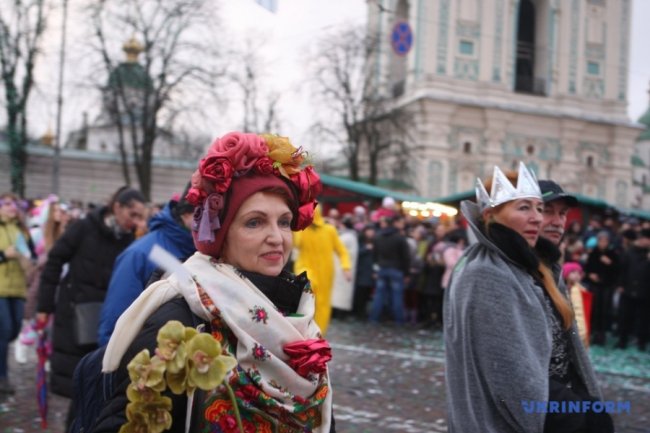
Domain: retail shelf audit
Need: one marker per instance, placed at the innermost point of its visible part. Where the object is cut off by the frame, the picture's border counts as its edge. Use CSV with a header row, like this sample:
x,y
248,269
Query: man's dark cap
x,y
551,191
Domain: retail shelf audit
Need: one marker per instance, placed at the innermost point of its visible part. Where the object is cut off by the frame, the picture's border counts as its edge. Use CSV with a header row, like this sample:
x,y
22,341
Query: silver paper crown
x,y
503,190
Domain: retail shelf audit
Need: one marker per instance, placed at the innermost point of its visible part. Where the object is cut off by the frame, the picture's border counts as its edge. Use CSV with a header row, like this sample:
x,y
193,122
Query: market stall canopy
x,y
415,205
583,200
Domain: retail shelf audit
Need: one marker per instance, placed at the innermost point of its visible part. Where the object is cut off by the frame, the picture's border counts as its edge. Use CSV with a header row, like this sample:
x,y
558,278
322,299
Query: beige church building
x,y
499,81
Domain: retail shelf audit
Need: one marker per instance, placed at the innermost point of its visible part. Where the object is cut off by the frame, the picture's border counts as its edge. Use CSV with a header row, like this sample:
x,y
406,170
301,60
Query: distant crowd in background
x,y
400,264
608,256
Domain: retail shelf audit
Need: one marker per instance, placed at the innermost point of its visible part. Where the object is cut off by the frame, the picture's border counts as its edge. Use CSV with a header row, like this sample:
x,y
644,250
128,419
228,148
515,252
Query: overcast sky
x,y
284,39
297,22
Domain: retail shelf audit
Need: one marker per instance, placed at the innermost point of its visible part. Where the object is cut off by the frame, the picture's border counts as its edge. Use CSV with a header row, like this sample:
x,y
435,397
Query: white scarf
x,y
236,298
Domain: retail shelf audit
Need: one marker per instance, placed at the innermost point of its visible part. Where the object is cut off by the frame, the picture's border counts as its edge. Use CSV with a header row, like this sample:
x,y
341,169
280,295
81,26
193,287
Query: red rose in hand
x,y
309,356
217,170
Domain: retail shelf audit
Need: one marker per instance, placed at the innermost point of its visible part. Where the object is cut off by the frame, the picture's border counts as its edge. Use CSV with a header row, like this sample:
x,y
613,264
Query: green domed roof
x,y
130,74
645,121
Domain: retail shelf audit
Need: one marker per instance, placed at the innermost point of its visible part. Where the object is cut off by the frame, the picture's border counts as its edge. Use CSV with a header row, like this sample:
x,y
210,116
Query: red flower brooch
x,y
309,356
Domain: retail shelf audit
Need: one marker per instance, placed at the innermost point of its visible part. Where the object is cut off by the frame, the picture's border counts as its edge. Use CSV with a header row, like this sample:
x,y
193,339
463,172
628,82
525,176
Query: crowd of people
x,y
407,263
266,270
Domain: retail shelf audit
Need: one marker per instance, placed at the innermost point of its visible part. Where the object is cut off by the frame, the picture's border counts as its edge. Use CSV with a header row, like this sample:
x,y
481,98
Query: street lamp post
x,y
59,103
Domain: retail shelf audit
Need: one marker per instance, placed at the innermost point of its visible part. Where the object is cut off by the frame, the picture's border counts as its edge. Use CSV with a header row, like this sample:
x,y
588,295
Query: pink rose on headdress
x,y
308,183
305,215
195,180
240,148
264,165
309,356
195,196
217,170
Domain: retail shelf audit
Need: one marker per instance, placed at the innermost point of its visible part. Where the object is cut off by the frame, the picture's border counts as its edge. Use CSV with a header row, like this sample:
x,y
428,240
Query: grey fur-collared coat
x,y
498,342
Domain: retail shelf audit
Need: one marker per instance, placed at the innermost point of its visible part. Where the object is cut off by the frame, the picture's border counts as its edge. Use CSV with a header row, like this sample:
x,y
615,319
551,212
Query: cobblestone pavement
x,y
386,379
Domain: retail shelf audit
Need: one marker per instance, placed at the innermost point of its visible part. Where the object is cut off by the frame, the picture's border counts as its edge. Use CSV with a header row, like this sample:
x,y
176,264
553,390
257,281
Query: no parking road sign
x,y
401,38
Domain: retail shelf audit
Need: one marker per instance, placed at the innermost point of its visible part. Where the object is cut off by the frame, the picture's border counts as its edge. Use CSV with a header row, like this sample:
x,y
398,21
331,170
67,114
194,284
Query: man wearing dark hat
x,y
635,292
556,207
557,203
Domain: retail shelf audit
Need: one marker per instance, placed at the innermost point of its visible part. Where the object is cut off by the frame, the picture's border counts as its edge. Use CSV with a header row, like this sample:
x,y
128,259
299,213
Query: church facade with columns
x,y
494,82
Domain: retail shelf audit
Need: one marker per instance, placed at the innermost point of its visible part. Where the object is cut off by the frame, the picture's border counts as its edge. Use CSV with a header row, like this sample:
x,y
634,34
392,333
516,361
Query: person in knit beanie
x,y
238,348
572,273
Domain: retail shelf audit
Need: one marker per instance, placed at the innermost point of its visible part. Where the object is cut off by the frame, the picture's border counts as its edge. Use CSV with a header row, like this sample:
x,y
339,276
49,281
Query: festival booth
x,y
345,194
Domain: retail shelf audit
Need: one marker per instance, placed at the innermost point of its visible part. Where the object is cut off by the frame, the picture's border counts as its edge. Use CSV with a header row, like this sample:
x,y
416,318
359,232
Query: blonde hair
x,y
52,230
548,281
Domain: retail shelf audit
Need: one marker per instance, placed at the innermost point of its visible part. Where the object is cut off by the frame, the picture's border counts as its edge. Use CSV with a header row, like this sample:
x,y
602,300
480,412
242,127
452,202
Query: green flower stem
x,y
231,394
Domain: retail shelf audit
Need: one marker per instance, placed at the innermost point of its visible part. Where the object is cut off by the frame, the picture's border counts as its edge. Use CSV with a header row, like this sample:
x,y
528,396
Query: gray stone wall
x,y
91,177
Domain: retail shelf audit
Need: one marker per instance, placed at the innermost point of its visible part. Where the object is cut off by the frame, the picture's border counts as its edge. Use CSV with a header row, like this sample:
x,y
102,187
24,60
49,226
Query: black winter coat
x,y
89,247
608,274
635,273
391,250
113,415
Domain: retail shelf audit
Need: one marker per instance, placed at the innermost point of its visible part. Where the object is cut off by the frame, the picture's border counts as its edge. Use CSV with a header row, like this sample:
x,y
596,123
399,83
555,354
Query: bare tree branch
x,y
22,24
370,127
146,96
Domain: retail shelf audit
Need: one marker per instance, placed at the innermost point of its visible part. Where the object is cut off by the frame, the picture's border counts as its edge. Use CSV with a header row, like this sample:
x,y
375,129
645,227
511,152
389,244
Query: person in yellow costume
x,y
316,247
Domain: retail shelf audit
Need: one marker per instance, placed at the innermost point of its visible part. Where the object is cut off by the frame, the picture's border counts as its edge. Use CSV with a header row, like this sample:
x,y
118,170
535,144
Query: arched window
x,y
525,47
467,147
590,161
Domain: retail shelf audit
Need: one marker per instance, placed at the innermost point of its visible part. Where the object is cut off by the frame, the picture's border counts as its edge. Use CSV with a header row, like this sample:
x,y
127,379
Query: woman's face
x,y
58,214
8,208
129,216
523,215
260,239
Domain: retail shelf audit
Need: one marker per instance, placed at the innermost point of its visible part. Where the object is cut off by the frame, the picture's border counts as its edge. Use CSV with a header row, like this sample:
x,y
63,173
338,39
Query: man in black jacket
x,y
635,291
391,254
557,203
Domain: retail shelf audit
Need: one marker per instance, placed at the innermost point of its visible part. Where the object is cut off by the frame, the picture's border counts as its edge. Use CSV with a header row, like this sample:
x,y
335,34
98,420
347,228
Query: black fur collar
x,y
547,251
284,290
513,245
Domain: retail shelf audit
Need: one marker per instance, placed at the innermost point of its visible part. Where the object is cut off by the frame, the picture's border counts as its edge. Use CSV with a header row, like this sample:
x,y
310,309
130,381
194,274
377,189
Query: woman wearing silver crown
x,y
511,360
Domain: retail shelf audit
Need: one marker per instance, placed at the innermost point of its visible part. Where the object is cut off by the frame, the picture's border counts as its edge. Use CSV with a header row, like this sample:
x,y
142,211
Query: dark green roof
x,y
369,190
391,184
639,213
645,121
456,198
637,161
470,194
130,74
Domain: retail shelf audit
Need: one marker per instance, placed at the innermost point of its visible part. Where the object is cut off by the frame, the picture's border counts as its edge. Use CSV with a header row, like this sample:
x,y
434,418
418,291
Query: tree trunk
x,y
18,156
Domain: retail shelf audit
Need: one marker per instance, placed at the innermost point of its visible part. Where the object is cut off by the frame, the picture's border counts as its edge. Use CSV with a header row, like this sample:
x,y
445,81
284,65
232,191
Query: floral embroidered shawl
x,y
272,396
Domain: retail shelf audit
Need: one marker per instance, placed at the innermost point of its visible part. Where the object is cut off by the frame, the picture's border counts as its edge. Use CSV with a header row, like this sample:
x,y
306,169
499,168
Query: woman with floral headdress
x,y
512,364
250,192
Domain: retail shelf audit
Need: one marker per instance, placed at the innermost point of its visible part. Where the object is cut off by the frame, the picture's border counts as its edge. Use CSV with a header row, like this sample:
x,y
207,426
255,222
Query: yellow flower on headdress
x,y
286,158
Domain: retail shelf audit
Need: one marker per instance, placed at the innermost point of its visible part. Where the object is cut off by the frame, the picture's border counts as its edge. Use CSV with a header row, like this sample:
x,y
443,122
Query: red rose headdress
x,y
238,155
